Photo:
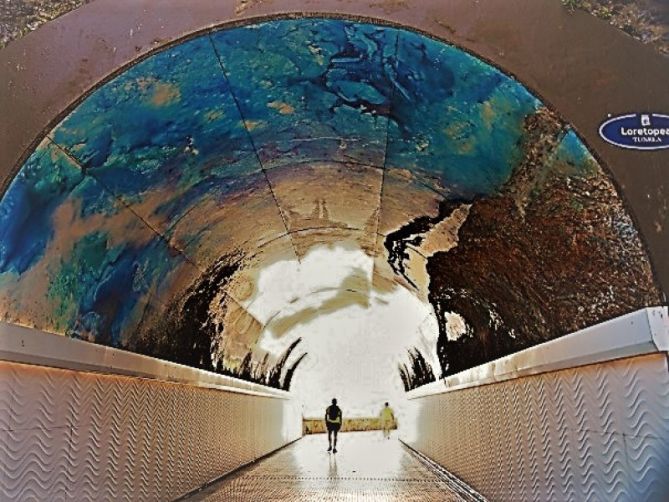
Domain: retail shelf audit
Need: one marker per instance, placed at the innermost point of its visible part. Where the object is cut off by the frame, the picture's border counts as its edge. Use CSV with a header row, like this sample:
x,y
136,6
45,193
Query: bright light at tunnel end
x,y
355,335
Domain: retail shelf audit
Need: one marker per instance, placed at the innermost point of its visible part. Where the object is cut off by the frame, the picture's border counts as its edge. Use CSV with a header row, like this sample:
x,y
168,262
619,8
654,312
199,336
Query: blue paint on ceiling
x,y
312,89
455,118
137,190
26,210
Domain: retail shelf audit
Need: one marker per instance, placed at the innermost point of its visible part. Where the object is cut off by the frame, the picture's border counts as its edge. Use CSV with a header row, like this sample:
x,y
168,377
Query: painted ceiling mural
x,y
177,210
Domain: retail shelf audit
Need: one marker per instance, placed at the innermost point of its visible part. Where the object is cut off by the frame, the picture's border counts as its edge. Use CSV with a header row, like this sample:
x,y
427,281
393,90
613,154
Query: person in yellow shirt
x,y
333,421
387,420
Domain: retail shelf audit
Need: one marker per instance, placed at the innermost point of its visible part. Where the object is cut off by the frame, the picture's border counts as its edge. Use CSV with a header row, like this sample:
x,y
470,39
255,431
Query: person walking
x,y
333,421
387,420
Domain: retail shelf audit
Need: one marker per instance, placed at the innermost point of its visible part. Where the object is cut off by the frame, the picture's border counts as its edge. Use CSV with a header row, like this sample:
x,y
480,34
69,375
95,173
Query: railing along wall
x,y
86,422
583,417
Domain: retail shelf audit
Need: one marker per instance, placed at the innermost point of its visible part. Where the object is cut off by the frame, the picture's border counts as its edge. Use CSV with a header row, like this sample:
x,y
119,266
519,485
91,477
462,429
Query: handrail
x,y
645,331
22,344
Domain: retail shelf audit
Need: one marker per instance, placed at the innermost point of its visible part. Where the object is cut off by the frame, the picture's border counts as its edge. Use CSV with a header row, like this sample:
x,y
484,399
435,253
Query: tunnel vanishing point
x,y
212,217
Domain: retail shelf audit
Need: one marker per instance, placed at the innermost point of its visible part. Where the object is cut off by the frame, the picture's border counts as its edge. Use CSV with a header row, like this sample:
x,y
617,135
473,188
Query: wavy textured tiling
x,y
591,433
97,437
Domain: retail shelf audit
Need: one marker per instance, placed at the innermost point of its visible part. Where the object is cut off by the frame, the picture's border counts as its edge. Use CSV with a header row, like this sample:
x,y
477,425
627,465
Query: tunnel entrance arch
x,y
254,144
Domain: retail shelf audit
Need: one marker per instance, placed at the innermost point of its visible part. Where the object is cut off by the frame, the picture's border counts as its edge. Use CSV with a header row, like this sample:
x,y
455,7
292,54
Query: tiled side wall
x,y
69,435
598,432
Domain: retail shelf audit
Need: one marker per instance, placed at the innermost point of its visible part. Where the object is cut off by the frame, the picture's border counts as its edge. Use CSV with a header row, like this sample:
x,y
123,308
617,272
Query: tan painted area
x,y
444,235
281,107
158,93
252,125
215,114
242,332
327,195
27,299
165,93
237,225
243,286
459,129
383,279
405,198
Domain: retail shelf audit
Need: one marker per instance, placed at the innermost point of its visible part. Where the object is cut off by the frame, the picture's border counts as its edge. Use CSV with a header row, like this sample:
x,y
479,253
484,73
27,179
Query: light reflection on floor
x,y
366,467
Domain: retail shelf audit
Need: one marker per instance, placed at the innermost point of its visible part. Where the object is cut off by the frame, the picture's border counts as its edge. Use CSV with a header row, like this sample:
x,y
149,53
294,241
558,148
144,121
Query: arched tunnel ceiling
x,y
147,217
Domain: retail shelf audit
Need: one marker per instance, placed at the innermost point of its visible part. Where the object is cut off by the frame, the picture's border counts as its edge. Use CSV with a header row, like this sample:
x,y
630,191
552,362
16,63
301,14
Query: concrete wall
x,y
68,434
536,430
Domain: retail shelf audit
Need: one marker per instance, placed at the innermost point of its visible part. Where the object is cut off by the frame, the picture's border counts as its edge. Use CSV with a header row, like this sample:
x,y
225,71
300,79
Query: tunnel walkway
x,y
366,467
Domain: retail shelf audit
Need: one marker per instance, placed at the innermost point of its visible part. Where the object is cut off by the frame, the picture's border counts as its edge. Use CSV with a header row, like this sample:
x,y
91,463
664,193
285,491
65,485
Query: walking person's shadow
x,y
332,467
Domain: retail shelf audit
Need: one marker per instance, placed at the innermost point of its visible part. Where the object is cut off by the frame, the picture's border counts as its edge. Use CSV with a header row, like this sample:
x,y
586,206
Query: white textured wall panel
x,y
70,435
595,433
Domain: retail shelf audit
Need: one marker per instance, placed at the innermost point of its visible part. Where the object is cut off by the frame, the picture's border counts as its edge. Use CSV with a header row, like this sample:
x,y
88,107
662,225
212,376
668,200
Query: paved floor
x,y
365,468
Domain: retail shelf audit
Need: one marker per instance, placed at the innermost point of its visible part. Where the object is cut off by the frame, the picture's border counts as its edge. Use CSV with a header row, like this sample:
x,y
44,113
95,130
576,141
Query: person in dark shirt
x,y
333,421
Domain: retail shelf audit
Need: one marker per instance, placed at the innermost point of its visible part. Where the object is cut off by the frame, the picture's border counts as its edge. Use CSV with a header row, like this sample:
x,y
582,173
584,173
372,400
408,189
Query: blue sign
x,y
638,131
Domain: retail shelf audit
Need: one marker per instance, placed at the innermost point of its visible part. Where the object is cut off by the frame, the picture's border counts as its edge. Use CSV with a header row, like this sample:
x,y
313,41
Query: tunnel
x,y
216,218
